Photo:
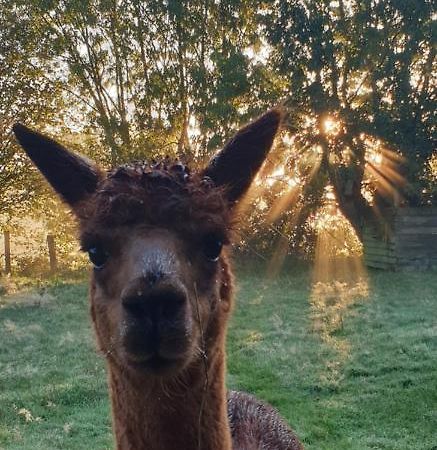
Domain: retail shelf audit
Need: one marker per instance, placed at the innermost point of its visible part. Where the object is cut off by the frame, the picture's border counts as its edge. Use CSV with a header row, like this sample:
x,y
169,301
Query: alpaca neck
x,y
187,414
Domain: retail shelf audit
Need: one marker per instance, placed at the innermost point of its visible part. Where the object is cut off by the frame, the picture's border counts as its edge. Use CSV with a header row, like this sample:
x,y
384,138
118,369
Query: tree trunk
x,y
7,237
52,253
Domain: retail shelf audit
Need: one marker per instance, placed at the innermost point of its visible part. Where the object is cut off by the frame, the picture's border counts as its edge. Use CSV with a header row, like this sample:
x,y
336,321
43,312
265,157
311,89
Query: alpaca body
x,y
161,291
181,416
256,425
194,411
169,417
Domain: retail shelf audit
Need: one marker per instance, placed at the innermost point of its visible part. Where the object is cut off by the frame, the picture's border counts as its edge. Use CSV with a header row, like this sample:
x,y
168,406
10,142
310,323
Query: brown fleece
x,y
156,228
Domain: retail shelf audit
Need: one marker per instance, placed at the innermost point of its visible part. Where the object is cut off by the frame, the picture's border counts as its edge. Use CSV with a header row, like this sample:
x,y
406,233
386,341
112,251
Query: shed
x,y
406,241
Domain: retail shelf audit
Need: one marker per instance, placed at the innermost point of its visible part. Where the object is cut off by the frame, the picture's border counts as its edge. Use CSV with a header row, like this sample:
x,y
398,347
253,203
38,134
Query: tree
x,y
26,95
358,72
151,76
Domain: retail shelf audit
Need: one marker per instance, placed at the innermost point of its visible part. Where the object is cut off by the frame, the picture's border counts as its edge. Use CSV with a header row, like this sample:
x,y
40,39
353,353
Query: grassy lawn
x,y
358,373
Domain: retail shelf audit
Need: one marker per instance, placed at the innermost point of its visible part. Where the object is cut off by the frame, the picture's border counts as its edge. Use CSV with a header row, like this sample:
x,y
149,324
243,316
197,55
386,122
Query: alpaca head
x,y
157,236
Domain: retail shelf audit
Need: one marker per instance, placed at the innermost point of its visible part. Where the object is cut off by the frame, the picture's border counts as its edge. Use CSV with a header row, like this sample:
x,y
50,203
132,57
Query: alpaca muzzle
x,y
156,328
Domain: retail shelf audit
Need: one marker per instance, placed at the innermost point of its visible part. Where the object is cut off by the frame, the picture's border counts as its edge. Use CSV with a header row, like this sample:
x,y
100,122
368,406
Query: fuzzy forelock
x,y
159,195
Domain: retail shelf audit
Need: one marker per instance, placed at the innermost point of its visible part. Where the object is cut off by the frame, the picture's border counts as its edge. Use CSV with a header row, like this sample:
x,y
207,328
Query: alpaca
x,y
161,291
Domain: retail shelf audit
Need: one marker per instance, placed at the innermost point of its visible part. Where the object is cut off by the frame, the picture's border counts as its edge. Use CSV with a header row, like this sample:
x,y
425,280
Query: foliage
x,y
28,234
357,69
429,179
124,79
25,95
144,72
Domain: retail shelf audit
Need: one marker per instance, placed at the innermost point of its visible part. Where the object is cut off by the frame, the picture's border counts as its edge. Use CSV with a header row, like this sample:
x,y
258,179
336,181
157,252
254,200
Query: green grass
x,y
358,376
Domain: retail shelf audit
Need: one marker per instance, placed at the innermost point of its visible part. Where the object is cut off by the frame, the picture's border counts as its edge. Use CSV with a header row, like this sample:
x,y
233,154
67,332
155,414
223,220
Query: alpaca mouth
x,y
151,351
154,363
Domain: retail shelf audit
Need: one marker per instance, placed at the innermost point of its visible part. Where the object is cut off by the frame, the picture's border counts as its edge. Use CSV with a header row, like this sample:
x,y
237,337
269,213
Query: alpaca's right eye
x,y
98,256
212,247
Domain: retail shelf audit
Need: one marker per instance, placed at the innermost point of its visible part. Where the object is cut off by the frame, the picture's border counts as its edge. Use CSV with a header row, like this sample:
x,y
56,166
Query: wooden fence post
x,y
7,237
52,253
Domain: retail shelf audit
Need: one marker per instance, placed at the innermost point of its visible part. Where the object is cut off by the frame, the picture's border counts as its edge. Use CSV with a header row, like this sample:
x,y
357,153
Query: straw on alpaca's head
x,y
157,236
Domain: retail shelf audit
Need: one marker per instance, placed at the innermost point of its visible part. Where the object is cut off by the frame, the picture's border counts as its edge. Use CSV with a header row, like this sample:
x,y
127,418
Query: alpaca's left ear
x,y
237,164
72,176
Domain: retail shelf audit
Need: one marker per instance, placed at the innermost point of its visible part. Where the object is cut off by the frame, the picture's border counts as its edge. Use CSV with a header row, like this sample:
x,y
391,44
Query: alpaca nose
x,y
156,302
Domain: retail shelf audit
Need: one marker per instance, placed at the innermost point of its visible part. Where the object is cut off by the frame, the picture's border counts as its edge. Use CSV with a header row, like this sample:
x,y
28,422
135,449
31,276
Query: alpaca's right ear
x,y
72,176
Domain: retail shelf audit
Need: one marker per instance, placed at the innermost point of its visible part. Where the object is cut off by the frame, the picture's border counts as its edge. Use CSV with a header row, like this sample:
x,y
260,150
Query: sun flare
x,y
331,126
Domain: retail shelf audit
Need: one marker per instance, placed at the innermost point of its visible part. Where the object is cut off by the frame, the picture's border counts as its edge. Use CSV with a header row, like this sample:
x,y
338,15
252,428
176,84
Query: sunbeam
x,y
339,276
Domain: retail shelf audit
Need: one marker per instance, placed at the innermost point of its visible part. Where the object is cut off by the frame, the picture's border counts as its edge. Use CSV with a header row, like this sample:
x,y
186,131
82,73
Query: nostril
x,y
134,305
172,304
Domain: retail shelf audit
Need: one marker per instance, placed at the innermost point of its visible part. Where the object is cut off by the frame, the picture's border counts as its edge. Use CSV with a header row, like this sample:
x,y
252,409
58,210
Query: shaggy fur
x,y
162,291
158,195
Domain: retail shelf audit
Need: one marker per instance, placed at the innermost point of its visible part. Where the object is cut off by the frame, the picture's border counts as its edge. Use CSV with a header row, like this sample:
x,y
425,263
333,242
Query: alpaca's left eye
x,y
98,256
212,247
